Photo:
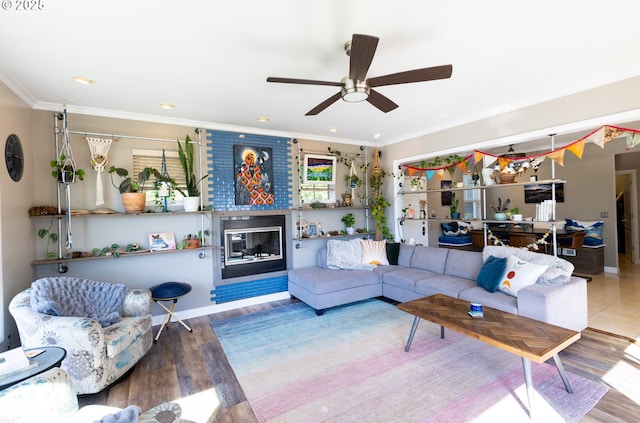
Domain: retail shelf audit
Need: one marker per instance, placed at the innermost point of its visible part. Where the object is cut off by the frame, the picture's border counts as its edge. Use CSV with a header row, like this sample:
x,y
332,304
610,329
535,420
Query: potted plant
x,y
65,172
133,198
52,238
500,211
455,214
416,183
191,193
349,221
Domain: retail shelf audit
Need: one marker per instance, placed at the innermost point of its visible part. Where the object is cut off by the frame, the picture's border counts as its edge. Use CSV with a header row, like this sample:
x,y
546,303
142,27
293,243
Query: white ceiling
x,y
211,59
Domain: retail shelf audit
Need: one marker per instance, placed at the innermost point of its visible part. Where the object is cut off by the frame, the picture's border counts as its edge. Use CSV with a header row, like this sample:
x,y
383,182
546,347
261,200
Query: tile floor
x,y
614,300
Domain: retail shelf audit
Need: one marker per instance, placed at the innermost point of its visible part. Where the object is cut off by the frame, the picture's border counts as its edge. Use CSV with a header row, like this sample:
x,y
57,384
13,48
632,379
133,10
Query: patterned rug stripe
x,y
350,365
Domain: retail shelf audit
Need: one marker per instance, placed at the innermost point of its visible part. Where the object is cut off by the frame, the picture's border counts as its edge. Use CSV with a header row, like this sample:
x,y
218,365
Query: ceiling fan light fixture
x,y
83,80
354,91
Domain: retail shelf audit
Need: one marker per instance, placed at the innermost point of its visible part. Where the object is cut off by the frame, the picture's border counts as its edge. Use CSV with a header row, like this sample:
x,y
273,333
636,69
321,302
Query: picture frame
x,y
319,169
160,241
313,230
537,193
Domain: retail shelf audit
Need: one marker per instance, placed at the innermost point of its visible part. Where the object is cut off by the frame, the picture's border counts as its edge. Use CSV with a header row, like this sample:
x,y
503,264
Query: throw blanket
x,y
75,297
559,270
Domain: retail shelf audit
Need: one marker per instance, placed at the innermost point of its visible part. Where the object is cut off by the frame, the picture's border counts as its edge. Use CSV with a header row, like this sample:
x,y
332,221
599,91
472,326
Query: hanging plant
x,y
65,173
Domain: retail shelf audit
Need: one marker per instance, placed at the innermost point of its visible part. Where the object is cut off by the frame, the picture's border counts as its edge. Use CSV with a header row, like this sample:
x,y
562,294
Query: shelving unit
x,y
303,210
484,218
64,247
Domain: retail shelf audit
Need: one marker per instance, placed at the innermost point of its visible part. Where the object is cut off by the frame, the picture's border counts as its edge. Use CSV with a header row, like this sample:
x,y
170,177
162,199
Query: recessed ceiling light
x,y
263,119
83,80
167,106
334,129
376,135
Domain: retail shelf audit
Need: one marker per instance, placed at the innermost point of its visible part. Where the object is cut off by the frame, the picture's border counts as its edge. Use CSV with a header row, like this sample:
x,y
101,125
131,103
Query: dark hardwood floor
x,y
184,365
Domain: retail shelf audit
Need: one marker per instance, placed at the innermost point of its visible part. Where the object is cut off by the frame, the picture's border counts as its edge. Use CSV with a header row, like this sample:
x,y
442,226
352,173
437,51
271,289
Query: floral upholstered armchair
x,y
101,345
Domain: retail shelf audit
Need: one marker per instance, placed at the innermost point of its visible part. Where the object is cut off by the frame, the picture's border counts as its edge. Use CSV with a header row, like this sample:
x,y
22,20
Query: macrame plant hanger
x,y
67,174
99,148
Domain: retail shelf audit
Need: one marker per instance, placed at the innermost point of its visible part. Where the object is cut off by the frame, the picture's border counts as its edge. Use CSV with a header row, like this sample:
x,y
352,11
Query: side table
x,y
48,358
169,291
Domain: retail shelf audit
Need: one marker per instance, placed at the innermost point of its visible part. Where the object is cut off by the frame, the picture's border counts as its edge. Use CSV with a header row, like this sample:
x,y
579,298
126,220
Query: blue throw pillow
x,y
491,273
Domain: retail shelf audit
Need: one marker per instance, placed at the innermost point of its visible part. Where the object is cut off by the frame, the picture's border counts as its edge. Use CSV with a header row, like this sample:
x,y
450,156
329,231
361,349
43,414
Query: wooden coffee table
x,y
527,338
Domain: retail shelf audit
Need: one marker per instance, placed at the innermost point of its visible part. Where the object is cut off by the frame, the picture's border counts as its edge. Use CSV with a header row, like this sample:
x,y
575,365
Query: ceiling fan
x,y
356,87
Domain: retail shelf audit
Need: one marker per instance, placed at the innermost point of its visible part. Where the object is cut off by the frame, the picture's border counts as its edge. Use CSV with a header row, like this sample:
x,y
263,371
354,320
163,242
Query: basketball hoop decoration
x,y
99,148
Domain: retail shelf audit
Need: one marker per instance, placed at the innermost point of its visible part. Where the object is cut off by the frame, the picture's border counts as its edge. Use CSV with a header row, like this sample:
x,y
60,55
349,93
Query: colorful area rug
x,y
350,365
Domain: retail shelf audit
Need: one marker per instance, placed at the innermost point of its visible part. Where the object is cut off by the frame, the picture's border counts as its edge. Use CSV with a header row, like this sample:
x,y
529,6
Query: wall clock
x,y
13,157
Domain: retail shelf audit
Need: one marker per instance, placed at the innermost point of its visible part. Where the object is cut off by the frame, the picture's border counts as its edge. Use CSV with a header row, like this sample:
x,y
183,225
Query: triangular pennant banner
x,y
440,173
611,133
632,140
557,156
430,174
411,171
462,166
503,162
577,148
478,156
597,137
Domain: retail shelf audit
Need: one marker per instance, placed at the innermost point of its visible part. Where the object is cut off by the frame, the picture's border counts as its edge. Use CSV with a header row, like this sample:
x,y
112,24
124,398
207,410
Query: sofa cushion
x,y
464,264
406,252
406,277
496,300
374,252
490,275
518,274
429,258
447,285
323,281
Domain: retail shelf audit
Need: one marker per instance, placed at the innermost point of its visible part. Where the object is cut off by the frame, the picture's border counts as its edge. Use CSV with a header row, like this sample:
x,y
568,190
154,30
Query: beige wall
x,y
15,199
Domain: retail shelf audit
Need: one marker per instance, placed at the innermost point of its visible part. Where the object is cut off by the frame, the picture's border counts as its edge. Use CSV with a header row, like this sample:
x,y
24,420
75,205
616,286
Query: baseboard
x,y
219,308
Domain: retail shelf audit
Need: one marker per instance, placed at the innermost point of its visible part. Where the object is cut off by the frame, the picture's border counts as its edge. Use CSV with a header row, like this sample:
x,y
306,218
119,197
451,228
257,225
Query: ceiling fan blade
x,y
381,102
302,81
320,107
363,47
416,75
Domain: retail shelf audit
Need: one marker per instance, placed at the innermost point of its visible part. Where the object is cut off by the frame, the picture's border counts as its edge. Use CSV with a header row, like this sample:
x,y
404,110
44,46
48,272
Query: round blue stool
x,y
169,291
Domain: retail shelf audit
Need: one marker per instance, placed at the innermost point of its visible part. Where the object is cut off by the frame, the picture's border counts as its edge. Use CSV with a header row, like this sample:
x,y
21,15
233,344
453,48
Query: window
x,y
153,158
472,200
312,193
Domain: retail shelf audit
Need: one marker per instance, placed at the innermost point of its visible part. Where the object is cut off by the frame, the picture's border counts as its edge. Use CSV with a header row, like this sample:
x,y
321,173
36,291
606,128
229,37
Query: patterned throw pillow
x,y
374,252
346,255
519,274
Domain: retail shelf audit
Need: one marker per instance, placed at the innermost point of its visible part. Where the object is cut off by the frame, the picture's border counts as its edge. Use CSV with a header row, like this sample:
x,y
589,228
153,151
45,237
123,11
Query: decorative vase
x,y
455,215
191,204
350,230
134,202
500,216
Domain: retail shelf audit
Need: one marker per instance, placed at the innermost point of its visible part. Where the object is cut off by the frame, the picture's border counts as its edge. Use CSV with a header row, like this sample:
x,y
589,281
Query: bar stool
x,y
169,291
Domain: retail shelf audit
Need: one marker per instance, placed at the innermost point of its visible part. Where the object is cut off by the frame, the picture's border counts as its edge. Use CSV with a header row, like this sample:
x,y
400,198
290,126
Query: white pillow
x,y
374,252
519,274
558,270
346,255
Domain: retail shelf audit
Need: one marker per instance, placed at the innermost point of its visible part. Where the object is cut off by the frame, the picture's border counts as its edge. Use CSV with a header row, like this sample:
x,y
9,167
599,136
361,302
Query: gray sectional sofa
x,y
422,271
